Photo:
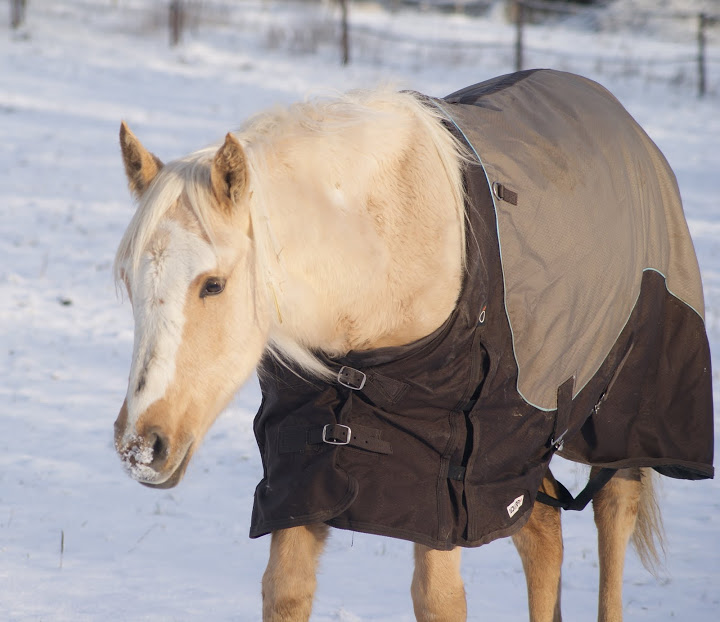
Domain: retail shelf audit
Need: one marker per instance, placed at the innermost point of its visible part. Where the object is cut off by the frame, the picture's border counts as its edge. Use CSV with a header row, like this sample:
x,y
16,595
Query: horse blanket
x,y
579,328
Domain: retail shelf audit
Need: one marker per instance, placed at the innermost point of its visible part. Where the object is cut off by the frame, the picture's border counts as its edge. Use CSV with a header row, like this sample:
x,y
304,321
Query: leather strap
x,y
382,390
302,438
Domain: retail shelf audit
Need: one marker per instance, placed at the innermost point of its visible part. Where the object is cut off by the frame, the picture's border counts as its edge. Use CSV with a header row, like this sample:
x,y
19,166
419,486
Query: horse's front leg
x,y
288,585
540,546
437,588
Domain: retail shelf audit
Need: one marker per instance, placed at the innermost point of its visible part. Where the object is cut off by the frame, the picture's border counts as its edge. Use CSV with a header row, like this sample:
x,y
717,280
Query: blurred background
x,y
672,40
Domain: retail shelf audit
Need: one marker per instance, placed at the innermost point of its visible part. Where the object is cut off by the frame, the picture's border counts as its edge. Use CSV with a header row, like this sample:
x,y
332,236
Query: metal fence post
x,y
519,23
702,23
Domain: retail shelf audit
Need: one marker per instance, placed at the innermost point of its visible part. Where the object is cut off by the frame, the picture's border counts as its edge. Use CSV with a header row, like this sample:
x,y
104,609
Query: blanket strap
x,y
562,415
566,501
302,438
382,390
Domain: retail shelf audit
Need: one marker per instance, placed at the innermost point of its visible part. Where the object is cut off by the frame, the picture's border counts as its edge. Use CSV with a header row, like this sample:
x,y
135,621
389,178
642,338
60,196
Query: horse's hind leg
x,y
437,588
540,546
289,582
616,510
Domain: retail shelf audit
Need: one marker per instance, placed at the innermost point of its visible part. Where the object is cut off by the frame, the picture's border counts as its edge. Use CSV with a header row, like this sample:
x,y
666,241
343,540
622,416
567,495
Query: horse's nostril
x,y
159,450
145,456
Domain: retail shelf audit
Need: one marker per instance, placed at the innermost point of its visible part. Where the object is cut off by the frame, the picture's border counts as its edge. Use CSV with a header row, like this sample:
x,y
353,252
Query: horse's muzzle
x,y
147,455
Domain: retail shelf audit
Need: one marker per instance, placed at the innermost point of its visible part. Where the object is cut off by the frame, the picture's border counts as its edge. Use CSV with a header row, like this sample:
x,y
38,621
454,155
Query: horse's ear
x,y
228,175
141,166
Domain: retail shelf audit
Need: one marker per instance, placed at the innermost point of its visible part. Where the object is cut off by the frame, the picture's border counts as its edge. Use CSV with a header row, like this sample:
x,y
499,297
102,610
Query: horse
x,y
319,229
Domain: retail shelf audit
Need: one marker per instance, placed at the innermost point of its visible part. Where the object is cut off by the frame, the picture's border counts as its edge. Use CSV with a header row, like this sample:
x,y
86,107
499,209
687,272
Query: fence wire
x,y
514,31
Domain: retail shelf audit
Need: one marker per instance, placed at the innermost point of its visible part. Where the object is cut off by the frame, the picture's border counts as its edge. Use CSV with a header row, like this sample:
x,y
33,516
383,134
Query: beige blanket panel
x,y
597,205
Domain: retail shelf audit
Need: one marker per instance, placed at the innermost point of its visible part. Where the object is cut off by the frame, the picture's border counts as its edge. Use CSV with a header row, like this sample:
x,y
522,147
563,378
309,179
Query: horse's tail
x,y
649,535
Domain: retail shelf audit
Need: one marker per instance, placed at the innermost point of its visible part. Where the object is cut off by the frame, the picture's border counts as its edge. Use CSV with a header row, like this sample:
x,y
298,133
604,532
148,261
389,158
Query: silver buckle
x,y
351,378
558,442
335,441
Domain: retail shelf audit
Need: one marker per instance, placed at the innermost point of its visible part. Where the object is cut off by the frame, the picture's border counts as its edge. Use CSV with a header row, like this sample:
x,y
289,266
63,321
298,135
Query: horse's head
x,y
188,265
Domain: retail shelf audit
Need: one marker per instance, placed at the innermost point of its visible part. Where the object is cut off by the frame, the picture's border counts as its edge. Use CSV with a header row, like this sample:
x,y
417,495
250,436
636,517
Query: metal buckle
x,y
351,378
558,442
335,441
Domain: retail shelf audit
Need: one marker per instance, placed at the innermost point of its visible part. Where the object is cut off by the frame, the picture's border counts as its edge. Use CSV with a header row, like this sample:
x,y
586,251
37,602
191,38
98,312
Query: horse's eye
x,y
212,287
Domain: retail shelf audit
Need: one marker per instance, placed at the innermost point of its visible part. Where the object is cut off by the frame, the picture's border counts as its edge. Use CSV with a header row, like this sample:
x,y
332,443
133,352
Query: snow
x,y
137,458
81,541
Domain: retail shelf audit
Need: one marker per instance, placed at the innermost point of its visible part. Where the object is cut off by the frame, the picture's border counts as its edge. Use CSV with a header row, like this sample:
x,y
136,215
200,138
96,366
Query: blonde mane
x,y
290,129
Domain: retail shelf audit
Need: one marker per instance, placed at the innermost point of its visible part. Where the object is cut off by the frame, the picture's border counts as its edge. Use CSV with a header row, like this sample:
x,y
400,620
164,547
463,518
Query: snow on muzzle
x,y
148,455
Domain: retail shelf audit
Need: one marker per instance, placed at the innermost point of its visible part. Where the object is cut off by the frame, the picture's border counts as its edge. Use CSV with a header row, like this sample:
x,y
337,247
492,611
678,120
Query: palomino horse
x,y
317,230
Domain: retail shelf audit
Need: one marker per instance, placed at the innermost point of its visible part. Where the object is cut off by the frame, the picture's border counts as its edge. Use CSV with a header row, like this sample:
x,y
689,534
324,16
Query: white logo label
x,y
515,506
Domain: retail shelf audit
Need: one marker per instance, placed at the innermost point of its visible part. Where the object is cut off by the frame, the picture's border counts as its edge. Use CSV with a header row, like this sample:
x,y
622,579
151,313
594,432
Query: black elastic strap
x,y
456,472
566,501
300,438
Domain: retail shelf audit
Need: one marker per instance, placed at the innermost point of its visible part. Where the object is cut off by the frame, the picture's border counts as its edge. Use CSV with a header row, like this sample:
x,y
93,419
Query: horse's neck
x,y
371,250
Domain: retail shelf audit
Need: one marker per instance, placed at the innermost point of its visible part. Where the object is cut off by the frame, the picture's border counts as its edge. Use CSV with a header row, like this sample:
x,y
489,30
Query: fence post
x,y
344,36
17,12
176,21
519,23
702,22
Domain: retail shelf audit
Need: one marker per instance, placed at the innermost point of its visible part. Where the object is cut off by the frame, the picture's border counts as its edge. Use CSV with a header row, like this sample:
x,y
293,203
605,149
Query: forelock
x,y
187,179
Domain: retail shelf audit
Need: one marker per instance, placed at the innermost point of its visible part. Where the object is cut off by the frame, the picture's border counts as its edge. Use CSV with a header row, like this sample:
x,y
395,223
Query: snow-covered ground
x,y
80,541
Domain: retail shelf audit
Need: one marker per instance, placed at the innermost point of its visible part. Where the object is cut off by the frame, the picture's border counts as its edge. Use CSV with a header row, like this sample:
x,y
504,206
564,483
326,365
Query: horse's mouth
x,y
139,463
177,474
